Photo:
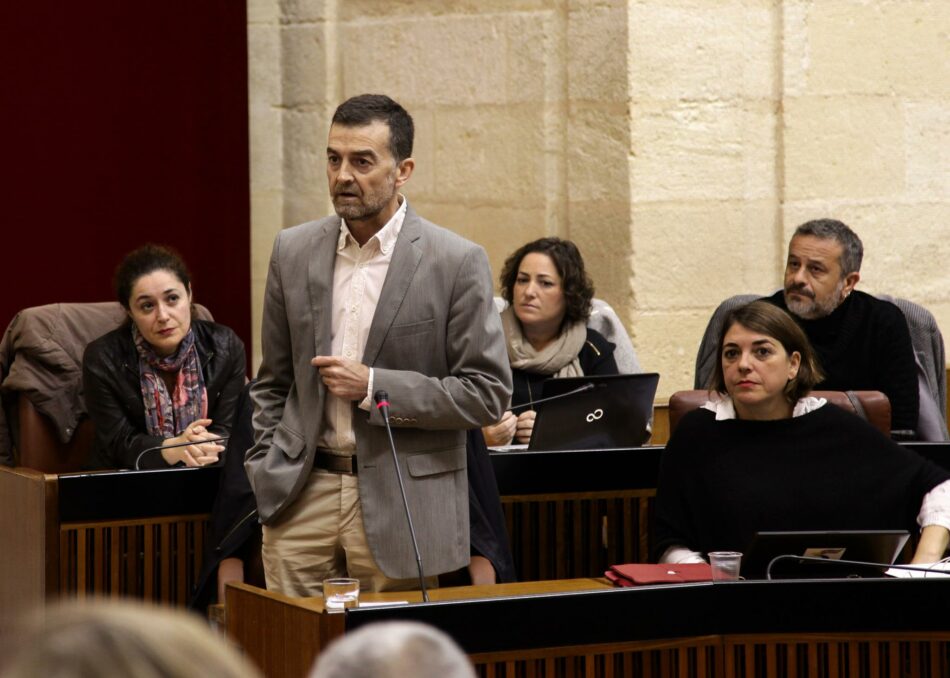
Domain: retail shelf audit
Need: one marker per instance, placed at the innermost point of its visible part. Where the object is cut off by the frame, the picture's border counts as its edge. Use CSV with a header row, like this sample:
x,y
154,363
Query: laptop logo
x,y
595,415
829,553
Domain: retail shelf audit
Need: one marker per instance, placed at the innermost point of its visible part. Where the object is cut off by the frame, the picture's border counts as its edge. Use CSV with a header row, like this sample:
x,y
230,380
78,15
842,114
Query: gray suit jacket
x,y
436,346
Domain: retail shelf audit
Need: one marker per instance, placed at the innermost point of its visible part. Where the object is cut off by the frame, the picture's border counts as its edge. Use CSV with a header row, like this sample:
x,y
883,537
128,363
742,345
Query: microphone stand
x,y
382,404
832,561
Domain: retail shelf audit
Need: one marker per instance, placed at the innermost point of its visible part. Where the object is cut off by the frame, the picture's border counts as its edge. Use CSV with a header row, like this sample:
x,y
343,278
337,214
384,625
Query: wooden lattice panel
x,y
835,656
155,559
566,536
696,658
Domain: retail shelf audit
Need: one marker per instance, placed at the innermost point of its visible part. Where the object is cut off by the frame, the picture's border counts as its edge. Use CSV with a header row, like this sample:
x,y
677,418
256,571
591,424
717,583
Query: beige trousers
x,y
320,536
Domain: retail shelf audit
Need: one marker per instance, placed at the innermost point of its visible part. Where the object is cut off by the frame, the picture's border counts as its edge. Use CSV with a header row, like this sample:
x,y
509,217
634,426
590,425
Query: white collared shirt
x,y
358,277
724,408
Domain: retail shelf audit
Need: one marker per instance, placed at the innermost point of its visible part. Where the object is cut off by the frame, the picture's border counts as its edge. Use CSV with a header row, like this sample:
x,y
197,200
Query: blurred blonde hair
x,y
90,639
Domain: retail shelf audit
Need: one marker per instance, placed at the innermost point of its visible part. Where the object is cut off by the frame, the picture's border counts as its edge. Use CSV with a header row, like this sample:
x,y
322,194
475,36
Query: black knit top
x,y
722,481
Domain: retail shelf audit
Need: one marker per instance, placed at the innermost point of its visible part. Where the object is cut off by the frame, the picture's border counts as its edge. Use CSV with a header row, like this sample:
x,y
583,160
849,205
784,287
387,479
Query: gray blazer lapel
x,y
405,261
320,283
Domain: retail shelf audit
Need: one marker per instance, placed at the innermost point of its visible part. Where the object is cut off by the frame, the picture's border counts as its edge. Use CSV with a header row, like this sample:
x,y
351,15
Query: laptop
x,y
870,546
595,412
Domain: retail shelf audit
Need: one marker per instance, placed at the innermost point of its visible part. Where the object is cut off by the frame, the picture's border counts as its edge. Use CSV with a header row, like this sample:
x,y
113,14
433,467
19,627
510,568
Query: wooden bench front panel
x,y
155,559
692,658
905,655
571,536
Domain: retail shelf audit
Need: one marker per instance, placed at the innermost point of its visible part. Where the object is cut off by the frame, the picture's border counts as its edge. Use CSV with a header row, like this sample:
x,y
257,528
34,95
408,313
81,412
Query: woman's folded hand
x,y
198,454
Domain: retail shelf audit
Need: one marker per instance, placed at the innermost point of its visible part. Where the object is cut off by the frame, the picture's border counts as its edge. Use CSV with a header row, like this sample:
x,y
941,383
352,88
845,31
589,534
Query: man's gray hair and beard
x,y
813,309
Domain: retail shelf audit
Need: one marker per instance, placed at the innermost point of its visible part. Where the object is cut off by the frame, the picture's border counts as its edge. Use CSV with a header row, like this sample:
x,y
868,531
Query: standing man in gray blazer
x,y
374,298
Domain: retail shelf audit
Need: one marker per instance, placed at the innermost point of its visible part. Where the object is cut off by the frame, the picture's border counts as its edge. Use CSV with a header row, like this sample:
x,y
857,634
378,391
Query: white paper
x,y
939,570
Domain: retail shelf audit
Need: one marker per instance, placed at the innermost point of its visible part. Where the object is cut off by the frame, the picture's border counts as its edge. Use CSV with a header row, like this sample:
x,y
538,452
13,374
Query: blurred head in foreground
x,y
394,650
90,639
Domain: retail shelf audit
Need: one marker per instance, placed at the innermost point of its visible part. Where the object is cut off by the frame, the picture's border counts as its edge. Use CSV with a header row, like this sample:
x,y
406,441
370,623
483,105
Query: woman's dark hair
x,y
765,318
577,285
144,260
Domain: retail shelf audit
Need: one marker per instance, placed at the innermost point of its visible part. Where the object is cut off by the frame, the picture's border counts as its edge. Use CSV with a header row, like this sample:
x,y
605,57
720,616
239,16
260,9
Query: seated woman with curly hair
x,y
549,295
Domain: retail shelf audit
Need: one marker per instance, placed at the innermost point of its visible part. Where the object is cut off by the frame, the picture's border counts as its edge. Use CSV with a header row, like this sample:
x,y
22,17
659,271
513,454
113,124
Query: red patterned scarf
x,y
168,415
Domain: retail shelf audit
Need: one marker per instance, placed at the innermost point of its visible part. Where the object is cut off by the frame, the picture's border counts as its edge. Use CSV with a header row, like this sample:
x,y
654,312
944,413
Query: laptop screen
x,y
869,546
613,411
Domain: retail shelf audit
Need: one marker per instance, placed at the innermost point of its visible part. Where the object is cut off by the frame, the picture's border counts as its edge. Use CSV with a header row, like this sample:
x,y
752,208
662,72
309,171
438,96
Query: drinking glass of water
x,y
340,594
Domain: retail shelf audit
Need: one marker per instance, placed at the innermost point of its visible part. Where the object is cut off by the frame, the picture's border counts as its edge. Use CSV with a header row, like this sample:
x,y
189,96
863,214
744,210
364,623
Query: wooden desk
x,y
573,514
885,628
661,424
130,533
141,533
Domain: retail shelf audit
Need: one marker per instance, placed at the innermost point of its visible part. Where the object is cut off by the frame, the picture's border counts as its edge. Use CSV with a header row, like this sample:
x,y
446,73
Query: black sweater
x,y
722,481
864,345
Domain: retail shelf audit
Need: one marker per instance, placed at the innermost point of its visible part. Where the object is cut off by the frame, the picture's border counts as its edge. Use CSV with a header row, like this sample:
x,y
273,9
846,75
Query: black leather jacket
x,y
113,395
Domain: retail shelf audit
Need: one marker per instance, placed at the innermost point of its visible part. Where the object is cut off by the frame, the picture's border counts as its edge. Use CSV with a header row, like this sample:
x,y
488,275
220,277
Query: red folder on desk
x,y
641,574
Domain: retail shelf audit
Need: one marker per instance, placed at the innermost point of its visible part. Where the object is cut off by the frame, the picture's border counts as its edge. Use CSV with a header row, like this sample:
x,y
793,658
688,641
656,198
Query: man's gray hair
x,y
852,251
393,650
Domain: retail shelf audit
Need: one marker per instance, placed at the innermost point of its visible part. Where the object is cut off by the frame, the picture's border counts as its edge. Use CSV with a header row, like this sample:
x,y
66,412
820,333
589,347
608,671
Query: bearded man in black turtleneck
x,y
862,342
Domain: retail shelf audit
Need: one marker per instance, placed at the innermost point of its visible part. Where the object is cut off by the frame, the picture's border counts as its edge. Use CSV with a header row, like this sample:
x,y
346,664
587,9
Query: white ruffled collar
x,y
724,408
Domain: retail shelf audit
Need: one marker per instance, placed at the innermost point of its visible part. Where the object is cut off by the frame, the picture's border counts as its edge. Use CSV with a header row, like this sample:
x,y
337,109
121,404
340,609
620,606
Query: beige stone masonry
x,y
679,142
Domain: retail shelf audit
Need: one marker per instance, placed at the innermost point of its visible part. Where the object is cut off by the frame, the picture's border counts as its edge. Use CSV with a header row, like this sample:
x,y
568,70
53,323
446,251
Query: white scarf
x,y
559,358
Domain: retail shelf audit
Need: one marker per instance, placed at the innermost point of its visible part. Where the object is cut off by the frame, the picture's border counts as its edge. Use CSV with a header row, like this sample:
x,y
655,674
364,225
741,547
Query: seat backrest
x,y
876,406
605,320
43,415
931,368
39,447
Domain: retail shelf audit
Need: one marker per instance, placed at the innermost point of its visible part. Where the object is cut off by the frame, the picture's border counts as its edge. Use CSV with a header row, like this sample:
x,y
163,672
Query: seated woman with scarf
x,y
161,388
549,295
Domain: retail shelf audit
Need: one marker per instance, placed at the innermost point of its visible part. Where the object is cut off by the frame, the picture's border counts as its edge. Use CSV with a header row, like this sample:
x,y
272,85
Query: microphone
x,y
832,561
168,447
382,404
580,389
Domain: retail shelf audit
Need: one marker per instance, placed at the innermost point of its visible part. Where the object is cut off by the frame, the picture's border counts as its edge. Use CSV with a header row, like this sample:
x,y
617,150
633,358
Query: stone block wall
x,y
679,142
867,129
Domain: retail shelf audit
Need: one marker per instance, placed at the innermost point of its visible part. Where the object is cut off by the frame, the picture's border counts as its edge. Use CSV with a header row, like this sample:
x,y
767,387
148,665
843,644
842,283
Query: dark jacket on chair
x,y
114,396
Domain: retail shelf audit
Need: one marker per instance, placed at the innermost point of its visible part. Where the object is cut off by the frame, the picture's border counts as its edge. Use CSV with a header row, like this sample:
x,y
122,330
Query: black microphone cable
x,y
832,561
580,389
168,447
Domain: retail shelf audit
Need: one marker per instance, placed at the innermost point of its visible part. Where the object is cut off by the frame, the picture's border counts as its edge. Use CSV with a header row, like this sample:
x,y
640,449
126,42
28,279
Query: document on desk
x,y
509,448
939,570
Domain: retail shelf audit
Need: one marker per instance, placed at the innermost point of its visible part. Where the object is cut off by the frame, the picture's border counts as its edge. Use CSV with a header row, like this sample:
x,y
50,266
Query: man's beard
x,y
358,211
811,308
367,206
